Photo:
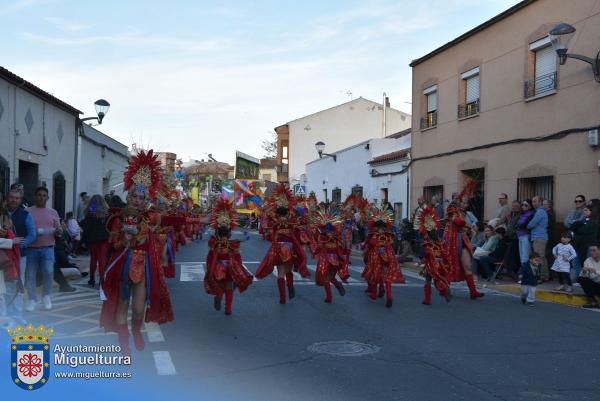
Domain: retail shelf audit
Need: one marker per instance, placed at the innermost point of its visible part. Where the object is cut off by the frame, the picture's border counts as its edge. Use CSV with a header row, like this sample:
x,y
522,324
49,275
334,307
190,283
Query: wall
x,y
339,127
501,51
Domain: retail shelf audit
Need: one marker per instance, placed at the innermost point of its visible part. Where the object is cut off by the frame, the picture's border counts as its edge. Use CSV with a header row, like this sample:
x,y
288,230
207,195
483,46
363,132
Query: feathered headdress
x,y
282,196
428,220
143,174
223,215
312,202
374,215
327,221
468,191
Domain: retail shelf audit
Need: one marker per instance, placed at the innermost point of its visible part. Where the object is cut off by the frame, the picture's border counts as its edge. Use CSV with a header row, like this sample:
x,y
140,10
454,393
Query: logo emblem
x,y
30,356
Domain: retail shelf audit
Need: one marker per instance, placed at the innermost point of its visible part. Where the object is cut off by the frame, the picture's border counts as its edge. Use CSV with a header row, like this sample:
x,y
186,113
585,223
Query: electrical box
x,y
593,137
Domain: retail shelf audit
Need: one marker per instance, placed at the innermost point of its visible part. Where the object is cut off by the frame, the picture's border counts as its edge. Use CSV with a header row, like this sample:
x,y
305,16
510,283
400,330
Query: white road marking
x,y
164,363
154,332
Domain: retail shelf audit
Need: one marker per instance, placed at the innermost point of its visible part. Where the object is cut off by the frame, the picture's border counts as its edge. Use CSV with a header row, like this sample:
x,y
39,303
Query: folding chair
x,y
498,268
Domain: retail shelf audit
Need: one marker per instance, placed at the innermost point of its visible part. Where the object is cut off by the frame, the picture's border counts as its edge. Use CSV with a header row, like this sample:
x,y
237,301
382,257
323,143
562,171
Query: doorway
x,y
28,176
4,176
59,193
477,203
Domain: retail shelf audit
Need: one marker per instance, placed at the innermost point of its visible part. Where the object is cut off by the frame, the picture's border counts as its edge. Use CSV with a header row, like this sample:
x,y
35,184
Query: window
x,y
325,195
527,188
384,195
284,152
434,190
542,68
336,195
358,190
431,105
469,87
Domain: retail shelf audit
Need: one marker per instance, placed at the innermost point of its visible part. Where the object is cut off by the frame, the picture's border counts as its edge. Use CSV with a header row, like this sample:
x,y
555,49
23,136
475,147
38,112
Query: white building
x,y
375,169
338,127
38,141
102,161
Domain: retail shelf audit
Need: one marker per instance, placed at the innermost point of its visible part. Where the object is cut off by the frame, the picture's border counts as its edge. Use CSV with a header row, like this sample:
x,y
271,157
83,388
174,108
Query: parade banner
x,y
246,166
249,194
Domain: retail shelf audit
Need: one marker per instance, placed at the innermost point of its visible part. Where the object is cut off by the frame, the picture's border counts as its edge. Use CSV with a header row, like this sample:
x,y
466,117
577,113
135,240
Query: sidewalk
x,y
545,291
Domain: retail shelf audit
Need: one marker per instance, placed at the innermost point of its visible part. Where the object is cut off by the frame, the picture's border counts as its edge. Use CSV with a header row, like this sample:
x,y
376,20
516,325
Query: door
x,y
477,203
4,176
28,176
59,193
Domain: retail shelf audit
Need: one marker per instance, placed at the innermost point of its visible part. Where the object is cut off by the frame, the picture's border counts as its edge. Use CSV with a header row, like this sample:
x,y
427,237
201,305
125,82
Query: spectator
x,y
564,254
61,261
511,259
438,205
96,236
586,232
81,206
40,254
491,241
9,255
117,202
74,231
549,207
577,213
590,277
497,255
523,232
20,188
504,209
470,217
478,235
25,228
538,227
529,275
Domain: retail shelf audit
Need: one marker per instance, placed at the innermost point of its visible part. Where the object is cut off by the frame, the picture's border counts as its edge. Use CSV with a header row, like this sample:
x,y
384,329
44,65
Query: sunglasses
x,y
578,201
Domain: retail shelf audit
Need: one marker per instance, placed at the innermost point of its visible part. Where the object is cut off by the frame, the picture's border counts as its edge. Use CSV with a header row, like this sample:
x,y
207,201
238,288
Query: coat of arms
x,y
30,356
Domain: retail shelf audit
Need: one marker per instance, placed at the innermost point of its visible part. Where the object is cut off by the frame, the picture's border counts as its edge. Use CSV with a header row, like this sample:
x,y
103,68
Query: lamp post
x,y
320,146
560,36
101,107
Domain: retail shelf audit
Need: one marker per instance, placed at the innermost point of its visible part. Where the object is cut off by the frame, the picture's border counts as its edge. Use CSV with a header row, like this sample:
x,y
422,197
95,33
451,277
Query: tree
x,y
269,146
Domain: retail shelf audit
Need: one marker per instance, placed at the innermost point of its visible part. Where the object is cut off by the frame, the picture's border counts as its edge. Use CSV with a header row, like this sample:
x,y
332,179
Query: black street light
x,y
320,147
102,107
560,36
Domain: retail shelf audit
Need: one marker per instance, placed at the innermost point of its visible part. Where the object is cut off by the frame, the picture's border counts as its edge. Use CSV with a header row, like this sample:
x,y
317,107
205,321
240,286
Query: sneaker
x,y
529,303
568,288
591,305
560,288
47,302
31,304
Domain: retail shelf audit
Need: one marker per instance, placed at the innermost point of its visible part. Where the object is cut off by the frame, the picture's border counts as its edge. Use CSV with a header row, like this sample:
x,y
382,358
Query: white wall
x,y
339,127
17,143
351,169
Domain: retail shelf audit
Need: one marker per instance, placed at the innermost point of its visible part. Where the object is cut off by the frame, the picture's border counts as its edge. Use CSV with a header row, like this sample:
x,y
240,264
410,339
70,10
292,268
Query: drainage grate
x,y
343,348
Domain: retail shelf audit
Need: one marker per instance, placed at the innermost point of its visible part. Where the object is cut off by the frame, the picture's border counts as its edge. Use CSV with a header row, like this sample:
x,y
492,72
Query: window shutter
x,y
545,62
472,89
432,102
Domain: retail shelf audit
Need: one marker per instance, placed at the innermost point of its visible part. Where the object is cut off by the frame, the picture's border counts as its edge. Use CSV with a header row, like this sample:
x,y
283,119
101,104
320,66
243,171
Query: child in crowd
x,y
74,232
529,274
564,254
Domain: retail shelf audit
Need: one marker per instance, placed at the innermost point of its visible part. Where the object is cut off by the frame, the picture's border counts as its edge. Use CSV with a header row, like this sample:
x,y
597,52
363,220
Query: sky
x,y
199,77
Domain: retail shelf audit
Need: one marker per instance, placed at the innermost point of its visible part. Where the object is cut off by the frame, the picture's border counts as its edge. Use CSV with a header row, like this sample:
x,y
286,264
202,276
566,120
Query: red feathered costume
x,y
286,249
331,256
381,266
135,256
224,268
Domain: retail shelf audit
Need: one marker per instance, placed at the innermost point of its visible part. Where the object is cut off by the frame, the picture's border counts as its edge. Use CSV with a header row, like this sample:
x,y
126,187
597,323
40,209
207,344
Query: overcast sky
x,y
197,77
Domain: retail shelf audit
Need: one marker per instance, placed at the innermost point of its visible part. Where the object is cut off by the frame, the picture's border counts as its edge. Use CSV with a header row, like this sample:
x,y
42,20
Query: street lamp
x,y
320,146
101,107
560,36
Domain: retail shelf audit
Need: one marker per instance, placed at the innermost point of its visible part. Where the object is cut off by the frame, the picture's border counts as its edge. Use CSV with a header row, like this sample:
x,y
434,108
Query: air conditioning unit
x,y
593,137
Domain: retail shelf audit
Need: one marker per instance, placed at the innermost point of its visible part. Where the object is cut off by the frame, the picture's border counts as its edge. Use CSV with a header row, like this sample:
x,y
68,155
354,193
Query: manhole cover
x,y
343,348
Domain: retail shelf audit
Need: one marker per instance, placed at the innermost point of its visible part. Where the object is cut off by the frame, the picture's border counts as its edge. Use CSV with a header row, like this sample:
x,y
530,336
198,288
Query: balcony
x,y
468,110
282,173
541,85
429,121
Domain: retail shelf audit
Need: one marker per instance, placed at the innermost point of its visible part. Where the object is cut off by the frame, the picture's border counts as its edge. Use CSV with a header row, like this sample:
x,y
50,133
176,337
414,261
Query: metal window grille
x,y
527,188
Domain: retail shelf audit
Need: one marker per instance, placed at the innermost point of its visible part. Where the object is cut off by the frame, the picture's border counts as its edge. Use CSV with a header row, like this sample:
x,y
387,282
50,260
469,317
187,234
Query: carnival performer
x,y
456,242
381,265
224,268
286,251
166,233
331,256
134,270
435,267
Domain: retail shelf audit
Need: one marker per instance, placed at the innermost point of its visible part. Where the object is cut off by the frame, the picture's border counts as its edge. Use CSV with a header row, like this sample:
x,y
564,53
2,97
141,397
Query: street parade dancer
x,y
224,268
381,266
435,267
166,234
331,256
458,246
134,271
286,252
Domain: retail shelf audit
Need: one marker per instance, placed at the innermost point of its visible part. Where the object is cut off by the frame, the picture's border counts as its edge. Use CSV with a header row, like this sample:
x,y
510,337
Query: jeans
x,y
590,287
524,248
539,246
39,259
486,263
528,291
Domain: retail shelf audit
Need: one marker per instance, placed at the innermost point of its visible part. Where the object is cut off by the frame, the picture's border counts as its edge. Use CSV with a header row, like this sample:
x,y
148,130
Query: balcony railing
x,y
429,121
469,109
282,169
541,85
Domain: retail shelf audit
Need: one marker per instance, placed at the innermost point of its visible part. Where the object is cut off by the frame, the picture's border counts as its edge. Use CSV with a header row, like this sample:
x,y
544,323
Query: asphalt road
x,y
354,349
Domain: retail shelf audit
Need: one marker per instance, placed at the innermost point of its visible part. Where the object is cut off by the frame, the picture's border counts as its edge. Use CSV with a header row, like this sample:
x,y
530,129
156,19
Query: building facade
x,y
495,105
376,169
102,162
268,170
38,141
338,127
167,161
